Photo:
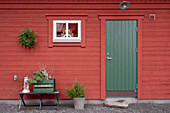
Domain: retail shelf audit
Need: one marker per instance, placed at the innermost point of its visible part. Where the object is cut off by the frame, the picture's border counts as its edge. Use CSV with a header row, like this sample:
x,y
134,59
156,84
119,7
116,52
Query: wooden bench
x,y
40,95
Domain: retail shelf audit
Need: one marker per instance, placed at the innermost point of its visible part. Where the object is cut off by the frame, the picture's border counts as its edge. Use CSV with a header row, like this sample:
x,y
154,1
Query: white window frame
x,y
66,39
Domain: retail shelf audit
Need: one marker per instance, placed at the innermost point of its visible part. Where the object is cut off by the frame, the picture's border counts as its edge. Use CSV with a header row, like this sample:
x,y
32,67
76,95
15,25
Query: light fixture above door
x,y
124,5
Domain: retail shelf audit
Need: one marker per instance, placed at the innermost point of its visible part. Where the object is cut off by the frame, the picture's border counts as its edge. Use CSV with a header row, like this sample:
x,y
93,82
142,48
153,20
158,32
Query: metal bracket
x,y
136,87
136,49
109,58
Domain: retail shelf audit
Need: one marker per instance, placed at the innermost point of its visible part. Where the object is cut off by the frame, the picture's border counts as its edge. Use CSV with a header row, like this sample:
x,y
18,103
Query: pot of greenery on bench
x,y
42,82
77,92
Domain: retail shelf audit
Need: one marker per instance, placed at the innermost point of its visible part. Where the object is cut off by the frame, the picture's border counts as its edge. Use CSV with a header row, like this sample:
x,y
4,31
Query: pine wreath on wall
x,y
28,38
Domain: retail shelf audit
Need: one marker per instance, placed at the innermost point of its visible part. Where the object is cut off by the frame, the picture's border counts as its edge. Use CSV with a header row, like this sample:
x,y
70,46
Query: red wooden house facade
x,y
84,55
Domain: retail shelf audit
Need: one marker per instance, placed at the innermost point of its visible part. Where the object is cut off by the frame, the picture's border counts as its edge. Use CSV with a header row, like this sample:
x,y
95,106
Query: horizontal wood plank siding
x,y
70,63
83,64
156,55
83,1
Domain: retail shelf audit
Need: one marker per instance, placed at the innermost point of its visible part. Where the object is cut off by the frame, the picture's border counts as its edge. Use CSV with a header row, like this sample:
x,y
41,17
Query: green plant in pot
x,y
41,84
37,76
77,92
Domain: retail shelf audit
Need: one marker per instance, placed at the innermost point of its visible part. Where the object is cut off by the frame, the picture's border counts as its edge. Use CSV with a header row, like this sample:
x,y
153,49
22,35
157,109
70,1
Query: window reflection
x,y
61,29
72,29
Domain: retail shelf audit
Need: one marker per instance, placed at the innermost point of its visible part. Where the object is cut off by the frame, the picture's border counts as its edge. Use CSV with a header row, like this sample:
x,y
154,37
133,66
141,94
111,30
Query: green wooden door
x,y
121,57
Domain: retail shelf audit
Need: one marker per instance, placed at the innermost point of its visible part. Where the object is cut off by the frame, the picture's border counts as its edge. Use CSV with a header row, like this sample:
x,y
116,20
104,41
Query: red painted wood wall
x,y
76,62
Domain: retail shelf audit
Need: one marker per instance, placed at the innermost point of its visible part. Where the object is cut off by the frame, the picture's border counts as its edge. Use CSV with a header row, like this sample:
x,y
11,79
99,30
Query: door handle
x,y
109,58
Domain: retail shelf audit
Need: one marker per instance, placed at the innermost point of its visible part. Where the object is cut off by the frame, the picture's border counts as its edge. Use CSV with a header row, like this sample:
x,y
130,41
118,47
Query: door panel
x,y
121,56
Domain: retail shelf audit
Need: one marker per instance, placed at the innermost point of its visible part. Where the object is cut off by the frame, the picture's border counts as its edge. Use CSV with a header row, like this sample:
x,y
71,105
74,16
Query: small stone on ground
x,y
133,108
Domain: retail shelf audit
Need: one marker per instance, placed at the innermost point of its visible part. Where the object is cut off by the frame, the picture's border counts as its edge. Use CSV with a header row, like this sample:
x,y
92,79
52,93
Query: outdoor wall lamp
x,y
124,5
15,77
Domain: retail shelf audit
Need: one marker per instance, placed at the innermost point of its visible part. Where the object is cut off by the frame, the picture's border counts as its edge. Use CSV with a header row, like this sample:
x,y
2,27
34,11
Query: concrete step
x,y
135,100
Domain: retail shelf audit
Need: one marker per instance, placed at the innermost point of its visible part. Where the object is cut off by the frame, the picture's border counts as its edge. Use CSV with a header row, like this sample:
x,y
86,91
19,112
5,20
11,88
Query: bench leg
x,y
40,101
20,104
57,96
21,95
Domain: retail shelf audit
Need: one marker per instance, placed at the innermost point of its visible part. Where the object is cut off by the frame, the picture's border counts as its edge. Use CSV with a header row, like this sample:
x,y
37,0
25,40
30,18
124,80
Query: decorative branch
x,y
47,73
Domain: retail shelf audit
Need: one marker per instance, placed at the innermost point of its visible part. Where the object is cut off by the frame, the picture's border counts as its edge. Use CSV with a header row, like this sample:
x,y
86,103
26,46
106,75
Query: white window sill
x,y
67,40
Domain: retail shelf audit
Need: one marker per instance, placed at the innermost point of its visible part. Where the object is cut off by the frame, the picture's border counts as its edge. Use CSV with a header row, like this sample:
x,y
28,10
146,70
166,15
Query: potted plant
x,y
41,84
37,76
42,81
77,92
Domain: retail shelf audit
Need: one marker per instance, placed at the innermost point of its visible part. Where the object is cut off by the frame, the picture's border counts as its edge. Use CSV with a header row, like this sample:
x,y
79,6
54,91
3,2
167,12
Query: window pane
x,y
73,29
61,29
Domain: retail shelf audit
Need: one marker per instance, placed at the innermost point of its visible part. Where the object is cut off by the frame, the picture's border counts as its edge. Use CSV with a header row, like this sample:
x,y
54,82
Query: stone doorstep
x,y
132,100
116,103
128,99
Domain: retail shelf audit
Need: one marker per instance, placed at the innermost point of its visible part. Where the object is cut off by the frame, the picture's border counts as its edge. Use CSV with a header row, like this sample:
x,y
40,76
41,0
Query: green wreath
x,y
28,38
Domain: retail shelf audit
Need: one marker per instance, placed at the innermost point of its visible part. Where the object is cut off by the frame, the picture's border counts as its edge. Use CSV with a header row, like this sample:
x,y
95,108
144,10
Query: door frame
x,y
139,19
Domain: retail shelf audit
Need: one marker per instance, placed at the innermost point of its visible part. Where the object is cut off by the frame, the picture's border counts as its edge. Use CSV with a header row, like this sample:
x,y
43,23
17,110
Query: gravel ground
x,y
133,108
